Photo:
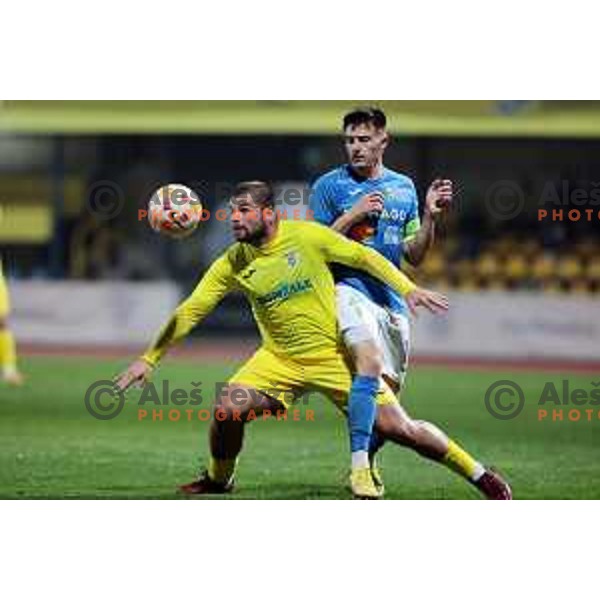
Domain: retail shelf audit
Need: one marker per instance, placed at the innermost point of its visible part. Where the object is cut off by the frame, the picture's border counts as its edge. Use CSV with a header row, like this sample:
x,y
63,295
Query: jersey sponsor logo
x,y
285,291
394,214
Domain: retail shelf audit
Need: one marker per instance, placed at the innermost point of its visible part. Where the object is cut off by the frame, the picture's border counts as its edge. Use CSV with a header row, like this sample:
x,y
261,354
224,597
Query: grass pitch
x,y
50,446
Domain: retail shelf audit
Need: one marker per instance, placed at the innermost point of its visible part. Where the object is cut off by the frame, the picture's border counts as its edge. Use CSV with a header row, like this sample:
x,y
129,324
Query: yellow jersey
x,y
289,286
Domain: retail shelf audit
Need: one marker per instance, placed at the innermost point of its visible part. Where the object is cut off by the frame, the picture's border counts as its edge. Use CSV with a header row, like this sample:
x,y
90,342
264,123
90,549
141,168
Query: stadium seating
x,y
509,263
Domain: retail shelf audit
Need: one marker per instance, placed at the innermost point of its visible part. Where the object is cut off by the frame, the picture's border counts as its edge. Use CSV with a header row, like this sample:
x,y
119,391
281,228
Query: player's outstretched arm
x,y
217,281
337,248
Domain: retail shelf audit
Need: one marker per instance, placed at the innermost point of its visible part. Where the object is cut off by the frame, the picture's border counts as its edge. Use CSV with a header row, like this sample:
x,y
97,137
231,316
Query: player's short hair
x,y
365,114
260,191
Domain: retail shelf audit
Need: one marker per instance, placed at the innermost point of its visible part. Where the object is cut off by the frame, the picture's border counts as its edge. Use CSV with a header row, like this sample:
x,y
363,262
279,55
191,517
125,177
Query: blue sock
x,y
361,411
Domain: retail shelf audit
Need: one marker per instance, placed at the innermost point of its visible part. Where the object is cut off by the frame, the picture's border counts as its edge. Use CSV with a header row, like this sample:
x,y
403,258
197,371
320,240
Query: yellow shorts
x,y
4,299
286,380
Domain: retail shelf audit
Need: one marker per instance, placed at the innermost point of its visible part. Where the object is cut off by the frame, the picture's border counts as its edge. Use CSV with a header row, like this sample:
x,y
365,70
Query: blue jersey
x,y
335,192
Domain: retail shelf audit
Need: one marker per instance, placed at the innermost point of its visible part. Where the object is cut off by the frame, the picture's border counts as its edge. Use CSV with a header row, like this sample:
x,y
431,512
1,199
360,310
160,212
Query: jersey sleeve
x,y
321,202
413,221
215,284
335,248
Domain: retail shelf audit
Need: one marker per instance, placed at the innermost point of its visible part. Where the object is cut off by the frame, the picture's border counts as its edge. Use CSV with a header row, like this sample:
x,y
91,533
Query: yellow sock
x,y
462,462
8,352
221,470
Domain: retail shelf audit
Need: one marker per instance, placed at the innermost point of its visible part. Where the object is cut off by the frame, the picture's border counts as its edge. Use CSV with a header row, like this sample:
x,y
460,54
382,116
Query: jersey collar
x,y
355,177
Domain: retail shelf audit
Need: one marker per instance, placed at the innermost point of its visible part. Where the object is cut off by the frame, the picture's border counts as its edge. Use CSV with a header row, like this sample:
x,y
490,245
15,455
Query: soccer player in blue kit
x,y
378,207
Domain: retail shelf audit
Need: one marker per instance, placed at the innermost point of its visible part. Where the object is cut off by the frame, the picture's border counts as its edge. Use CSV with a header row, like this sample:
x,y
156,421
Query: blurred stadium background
x,y
86,274
74,174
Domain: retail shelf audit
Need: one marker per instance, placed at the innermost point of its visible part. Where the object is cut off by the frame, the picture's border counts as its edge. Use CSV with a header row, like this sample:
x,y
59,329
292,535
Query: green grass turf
x,y
50,447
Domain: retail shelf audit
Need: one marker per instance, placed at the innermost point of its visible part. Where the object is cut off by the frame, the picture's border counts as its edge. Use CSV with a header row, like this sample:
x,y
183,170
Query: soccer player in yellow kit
x,y
282,267
8,353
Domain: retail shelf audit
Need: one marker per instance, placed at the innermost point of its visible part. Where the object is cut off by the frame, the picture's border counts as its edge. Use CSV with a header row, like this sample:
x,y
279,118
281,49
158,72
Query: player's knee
x,y
369,364
3,324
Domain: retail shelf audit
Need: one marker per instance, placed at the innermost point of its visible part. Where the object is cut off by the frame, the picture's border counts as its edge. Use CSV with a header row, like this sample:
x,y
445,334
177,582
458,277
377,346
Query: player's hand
x,y
434,302
439,196
137,373
369,205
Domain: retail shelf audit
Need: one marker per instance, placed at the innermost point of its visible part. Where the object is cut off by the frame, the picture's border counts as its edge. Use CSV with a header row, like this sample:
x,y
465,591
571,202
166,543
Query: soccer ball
x,y
174,210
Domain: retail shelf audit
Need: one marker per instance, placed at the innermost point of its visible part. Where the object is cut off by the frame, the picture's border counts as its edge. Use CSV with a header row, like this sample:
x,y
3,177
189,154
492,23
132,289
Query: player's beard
x,y
256,236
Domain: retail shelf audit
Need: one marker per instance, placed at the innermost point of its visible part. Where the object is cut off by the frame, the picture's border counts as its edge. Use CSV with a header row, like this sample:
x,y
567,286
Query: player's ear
x,y
385,139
